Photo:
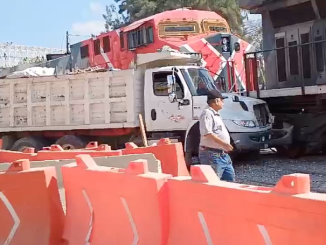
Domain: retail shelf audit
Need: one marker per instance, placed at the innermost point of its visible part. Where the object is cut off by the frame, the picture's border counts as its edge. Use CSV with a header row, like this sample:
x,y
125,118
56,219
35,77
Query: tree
x,y
114,19
253,33
138,9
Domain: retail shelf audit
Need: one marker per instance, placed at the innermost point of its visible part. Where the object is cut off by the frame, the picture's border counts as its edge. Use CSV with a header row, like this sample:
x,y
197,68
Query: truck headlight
x,y
245,123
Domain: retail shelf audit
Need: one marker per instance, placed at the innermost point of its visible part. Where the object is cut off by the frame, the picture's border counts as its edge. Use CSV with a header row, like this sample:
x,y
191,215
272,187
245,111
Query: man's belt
x,y
212,149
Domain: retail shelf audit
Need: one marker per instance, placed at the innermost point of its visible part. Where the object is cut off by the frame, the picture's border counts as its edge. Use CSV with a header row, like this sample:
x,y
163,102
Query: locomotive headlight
x,y
224,41
225,48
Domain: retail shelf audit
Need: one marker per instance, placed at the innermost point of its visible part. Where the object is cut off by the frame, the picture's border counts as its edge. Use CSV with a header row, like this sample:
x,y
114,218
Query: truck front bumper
x,y
251,141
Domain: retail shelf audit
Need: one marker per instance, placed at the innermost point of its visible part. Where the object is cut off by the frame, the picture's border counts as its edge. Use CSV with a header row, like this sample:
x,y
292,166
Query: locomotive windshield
x,y
215,26
199,81
178,28
218,28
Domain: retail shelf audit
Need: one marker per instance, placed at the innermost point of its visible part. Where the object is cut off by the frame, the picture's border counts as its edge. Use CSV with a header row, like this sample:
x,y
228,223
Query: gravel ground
x,y
269,168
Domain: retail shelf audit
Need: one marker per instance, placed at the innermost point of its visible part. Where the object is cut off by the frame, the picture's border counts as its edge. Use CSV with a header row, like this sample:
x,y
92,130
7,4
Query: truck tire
x,y
70,142
7,142
36,143
192,145
188,153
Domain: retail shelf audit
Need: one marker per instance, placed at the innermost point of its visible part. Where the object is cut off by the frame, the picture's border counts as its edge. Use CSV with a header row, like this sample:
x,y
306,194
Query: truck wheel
x,y
192,146
36,143
70,142
188,153
7,142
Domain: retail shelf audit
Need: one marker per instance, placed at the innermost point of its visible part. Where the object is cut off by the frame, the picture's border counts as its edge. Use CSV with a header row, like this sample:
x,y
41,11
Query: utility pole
x,y
67,50
67,43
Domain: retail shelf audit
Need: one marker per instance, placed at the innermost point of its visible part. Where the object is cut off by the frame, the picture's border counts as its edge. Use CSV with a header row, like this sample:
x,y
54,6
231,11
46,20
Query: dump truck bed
x,y
95,100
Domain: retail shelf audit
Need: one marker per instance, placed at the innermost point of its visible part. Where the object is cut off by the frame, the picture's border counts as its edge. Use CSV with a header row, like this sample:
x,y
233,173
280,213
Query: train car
x,y
183,29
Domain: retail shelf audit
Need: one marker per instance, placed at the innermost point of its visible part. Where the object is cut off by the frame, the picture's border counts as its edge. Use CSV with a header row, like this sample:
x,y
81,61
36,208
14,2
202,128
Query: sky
x,y
44,23
41,24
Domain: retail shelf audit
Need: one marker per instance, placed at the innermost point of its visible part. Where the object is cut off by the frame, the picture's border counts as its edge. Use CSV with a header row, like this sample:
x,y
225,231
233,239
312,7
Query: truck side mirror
x,y
237,47
171,88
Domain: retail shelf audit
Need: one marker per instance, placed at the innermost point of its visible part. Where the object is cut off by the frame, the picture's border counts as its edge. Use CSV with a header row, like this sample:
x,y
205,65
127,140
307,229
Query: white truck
x,y
71,110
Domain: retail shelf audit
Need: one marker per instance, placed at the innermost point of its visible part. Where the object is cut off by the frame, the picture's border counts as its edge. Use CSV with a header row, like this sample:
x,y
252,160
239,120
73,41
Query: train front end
x,y
223,57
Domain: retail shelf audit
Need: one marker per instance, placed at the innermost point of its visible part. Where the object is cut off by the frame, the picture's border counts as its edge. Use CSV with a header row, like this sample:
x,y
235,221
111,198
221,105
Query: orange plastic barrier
x,y
94,146
170,155
205,210
133,206
30,207
55,152
114,206
11,156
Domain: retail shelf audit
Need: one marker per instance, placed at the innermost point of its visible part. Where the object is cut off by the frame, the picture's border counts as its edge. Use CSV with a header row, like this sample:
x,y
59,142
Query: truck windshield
x,y
199,81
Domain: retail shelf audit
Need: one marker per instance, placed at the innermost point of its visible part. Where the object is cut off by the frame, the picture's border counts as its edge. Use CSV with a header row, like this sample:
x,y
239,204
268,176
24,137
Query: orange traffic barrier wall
x,y
204,210
55,152
114,206
94,146
170,155
11,156
134,206
30,207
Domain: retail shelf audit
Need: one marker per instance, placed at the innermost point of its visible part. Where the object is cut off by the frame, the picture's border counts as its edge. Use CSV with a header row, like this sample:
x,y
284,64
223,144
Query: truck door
x,y
293,57
318,33
160,113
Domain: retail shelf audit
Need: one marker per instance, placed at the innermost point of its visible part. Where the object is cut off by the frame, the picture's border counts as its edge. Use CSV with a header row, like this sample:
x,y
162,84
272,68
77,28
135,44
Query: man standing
x,y
215,139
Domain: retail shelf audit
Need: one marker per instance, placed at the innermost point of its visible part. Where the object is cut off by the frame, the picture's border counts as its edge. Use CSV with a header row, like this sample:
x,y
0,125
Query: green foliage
x,y
253,33
113,18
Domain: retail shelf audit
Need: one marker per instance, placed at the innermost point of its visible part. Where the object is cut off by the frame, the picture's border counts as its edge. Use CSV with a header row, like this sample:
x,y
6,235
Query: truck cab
x,y
175,96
